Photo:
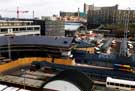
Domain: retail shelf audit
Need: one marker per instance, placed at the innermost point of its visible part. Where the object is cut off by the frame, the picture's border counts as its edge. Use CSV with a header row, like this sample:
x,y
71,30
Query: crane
x,y
16,11
19,11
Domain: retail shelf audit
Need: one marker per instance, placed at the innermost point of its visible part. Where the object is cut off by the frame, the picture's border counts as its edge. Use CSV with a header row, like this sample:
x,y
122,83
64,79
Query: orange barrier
x,y
65,62
21,62
90,49
26,61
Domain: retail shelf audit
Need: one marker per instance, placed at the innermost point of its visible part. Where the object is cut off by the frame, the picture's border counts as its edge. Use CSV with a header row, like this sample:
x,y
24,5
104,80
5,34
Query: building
x,y
73,16
71,28
50,26
107,15
24,46
101,15
54,28
18,27
87,8
63,14
122,15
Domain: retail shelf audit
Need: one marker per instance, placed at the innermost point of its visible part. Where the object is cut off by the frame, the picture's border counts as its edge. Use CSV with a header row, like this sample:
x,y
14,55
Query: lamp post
x,y
9,48
23,71
9,35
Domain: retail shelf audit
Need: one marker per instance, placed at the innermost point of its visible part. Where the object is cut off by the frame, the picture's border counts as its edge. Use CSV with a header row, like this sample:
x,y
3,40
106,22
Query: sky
x,y
50,7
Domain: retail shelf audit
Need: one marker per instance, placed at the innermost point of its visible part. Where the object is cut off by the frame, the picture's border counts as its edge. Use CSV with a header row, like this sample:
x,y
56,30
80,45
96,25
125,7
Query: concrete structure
x,y
54,28
49,27
18,27
34,46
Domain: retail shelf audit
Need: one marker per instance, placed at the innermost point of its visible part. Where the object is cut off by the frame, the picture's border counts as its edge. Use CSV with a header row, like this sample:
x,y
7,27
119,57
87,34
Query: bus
x,y
120,84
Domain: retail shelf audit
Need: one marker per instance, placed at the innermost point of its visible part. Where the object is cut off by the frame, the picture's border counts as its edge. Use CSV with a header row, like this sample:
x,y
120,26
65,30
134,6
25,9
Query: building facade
x,y
54,28
125,14
18,27
107,15
73,16
102,15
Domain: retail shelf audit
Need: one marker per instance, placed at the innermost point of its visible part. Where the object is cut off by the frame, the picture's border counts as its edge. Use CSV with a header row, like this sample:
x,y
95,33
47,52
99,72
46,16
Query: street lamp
x,y
9,35
9,48
24,72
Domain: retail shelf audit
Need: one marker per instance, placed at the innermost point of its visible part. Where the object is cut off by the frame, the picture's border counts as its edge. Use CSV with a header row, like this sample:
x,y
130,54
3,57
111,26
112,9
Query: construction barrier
x,y
22,62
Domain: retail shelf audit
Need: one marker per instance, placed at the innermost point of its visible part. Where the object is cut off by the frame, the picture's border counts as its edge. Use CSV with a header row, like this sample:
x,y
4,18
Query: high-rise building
x,y
107,15
101,15
122,14
87,7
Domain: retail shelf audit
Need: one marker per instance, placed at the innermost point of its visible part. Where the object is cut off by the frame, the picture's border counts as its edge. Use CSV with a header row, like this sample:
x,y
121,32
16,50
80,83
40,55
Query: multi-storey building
x,y
73,16
54,28
49,27
123,14
107,15
101,15
18,27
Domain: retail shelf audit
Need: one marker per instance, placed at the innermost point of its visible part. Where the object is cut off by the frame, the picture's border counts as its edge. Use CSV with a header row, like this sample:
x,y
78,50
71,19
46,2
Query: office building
x,y
54,28
101,15
18,27
107,15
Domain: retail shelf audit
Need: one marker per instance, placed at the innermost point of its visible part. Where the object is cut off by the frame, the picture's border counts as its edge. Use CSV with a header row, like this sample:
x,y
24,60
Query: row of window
x,y
13,24
121,85
19,29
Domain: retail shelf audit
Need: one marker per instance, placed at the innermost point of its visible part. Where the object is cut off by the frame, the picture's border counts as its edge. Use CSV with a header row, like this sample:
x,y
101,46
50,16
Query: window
x,y
127,86
29,28
132,86
111,83
108,83
36,28
122,85
22,29
3,30
116,84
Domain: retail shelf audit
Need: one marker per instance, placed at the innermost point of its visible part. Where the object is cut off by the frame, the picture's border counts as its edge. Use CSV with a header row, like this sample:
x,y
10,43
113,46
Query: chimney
x,y
78,12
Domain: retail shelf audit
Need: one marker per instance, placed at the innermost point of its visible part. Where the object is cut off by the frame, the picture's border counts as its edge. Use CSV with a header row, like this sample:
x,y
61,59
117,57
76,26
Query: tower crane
x,y
16,11
20,11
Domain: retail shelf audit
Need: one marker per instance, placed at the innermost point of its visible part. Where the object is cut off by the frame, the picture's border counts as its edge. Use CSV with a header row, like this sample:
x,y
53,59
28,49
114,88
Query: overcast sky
x,y
50,7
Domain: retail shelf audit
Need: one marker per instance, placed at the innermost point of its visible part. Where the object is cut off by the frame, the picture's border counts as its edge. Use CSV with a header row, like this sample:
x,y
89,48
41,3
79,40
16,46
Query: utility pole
x,y
123,46
24,72
33,14
9,48
17,12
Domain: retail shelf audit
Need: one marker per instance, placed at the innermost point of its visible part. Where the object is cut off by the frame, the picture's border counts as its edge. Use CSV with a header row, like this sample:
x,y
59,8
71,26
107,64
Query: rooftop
x,y
37,40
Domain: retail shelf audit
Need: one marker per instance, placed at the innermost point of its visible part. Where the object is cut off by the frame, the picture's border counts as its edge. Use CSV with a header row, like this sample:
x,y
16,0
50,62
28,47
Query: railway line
x,y
89,69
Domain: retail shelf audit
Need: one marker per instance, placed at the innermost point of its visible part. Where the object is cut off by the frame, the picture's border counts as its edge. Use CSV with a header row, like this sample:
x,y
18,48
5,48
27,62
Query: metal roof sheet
x,y
36,40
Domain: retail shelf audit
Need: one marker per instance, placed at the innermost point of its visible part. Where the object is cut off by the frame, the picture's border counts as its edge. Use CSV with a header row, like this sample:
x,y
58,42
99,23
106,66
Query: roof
x,y
37,40
120,81
72,26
